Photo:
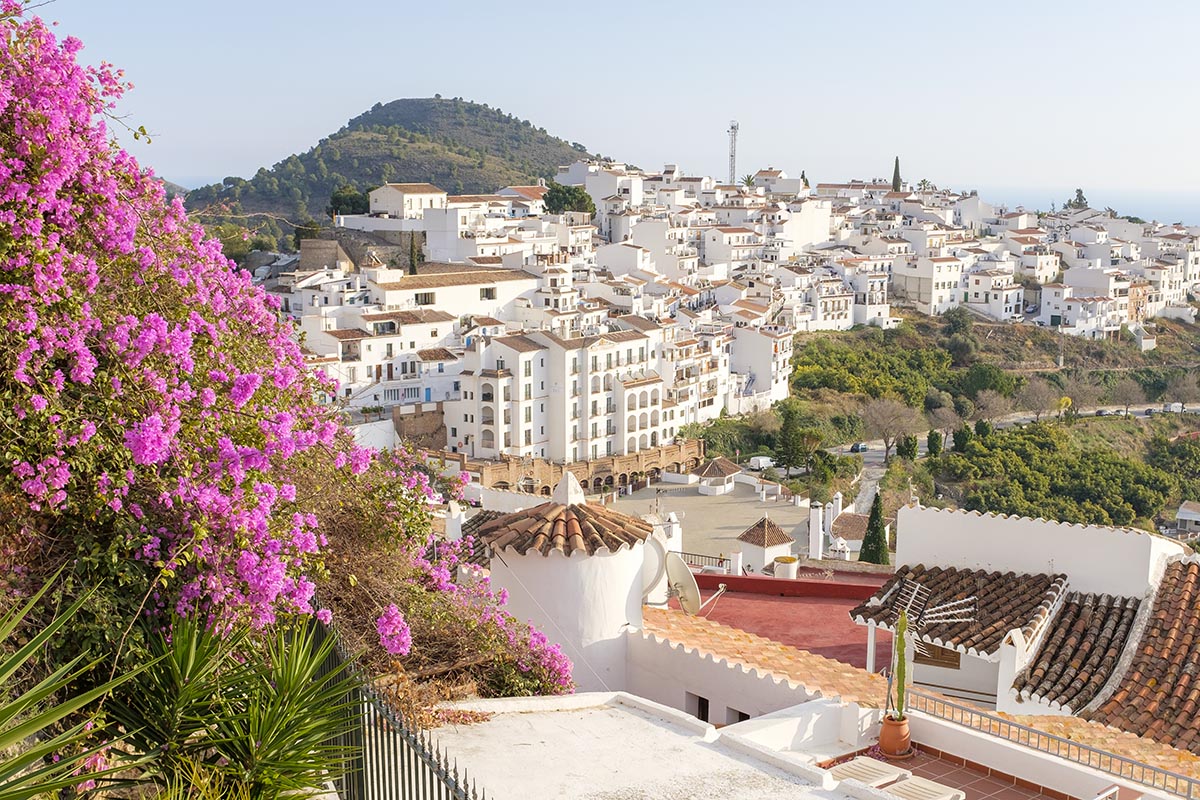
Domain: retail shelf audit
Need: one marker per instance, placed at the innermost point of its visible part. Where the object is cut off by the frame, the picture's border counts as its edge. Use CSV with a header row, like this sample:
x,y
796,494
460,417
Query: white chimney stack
x,y
816,532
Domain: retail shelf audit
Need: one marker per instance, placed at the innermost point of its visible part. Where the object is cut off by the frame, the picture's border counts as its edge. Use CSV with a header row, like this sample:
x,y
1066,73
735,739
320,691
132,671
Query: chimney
x,y
816,532
837,506
829,519
454,522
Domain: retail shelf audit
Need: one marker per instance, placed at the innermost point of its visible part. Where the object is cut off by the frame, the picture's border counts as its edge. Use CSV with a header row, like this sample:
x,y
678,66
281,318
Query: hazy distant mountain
x,y
463,147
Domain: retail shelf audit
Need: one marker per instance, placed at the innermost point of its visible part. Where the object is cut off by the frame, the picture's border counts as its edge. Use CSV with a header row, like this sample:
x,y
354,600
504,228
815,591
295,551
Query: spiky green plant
x,y
28,719
901,682
250,707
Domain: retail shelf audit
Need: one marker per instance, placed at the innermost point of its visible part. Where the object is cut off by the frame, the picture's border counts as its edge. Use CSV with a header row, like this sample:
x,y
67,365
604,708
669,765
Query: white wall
x,y
500,499
380,434
1071,779
585,603
1095,558
666,673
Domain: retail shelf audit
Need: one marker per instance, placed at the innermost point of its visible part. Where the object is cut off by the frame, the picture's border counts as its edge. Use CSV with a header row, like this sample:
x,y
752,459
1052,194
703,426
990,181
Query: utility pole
x,y
733,132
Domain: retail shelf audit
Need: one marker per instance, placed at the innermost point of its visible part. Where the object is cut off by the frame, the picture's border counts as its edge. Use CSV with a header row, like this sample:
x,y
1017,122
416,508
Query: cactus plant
x,y
901,646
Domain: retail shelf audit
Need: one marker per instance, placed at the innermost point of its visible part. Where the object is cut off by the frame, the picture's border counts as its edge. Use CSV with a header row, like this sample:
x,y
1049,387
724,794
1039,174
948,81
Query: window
x,y
529,413
528,368
528,391
937,657
733,716
424,298
453,433
528,437
487,293
499,363
412,393
696,705
575,365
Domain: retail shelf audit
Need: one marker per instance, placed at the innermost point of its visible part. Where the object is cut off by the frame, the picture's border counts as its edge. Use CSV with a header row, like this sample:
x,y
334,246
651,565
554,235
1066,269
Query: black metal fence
x,y
391,760
701,560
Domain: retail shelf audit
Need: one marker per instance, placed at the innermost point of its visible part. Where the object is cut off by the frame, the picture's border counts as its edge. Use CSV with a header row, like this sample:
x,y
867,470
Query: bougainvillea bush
x,y
160,435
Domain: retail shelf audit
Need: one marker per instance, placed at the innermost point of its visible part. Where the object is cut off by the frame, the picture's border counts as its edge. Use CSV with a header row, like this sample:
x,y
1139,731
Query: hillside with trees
x,y
463,147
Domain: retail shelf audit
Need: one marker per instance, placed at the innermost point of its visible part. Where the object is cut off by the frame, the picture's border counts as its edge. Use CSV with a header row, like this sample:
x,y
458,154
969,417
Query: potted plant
x,y
894,738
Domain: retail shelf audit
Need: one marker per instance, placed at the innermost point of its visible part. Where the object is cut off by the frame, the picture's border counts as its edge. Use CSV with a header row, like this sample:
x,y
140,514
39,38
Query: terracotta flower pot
x,y
894,738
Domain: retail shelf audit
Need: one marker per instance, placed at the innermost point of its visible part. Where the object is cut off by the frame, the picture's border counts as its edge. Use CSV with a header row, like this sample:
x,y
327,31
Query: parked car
x,y
1031,309
758,463
1150,412
1172,408
859,447
1104,412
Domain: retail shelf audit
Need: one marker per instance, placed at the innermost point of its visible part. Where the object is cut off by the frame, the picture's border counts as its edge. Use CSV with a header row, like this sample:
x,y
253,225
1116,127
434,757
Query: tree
x,y
789,449
309,229
1079,202
983,428
962,348
962,437
1038,396
348,200
906,447
944,419
560,199
888,419
1127,392
1182,389
875,546
1083,391
991,405
933,444
896,183
748,181
804,179
415,256
957,320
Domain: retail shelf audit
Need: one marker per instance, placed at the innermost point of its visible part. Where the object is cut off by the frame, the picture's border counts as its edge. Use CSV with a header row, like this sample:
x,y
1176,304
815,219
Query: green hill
x,y
463,147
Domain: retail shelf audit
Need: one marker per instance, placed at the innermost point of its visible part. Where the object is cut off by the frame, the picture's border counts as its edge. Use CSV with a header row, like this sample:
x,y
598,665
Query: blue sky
x,y
1016,98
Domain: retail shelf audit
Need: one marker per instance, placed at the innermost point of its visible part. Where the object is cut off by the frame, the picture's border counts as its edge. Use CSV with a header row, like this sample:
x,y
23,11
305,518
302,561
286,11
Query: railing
x,y
701,560
1101,760
390,760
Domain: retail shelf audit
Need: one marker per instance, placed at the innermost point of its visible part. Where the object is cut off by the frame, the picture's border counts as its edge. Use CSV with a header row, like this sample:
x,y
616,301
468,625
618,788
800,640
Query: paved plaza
x,y
711,524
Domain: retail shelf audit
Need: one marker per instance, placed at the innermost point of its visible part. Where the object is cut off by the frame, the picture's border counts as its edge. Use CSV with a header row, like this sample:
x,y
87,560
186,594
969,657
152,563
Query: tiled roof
x,y
462,278
818,675
416,188
1080,651
851,527
765,533
436,354
1003,602
565,528
348,334
413,317
479,554
1159,695
719,467
522,344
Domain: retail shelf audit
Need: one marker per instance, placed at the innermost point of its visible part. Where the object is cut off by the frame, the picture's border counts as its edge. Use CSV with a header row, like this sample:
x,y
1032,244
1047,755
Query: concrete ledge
x,y
788,587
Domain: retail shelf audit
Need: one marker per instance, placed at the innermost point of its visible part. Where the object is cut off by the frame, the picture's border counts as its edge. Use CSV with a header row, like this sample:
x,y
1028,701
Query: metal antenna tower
x,y
733,130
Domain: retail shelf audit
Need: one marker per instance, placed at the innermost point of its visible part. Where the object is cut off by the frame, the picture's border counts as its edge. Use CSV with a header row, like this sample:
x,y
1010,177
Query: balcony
x,y
487,397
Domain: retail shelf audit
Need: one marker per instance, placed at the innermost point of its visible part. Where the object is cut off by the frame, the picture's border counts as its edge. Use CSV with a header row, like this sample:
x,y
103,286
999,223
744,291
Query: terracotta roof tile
x,y
719,467
413,317
1159,695
348,334
1003,603
1080,651
851,527
565,528
819,675
765,533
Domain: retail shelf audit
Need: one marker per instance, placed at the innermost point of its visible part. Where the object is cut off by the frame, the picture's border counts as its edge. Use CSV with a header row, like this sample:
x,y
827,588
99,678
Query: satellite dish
x,y
681,583
656,563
